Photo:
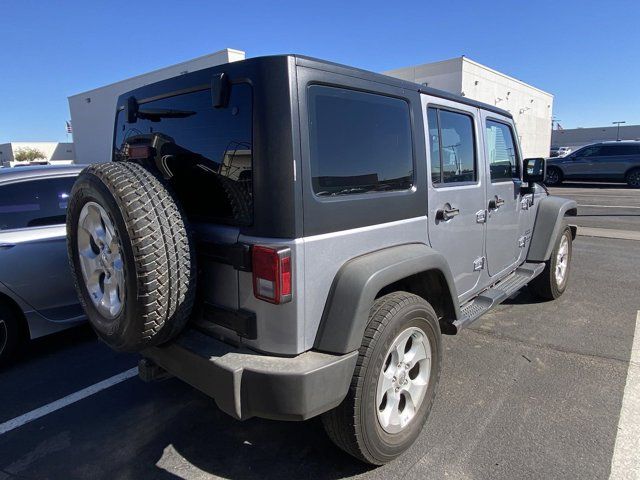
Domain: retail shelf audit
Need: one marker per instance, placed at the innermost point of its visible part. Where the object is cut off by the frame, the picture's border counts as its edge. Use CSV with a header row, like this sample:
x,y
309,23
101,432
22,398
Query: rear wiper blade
x,y
158,113
343,191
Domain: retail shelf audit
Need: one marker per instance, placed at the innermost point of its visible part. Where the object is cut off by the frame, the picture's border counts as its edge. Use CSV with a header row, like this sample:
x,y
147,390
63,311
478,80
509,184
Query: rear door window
x,y
359,142
34,203
453,147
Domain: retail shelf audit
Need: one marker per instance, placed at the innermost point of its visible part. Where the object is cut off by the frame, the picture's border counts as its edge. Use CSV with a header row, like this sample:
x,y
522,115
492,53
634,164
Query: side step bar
x,y
498,293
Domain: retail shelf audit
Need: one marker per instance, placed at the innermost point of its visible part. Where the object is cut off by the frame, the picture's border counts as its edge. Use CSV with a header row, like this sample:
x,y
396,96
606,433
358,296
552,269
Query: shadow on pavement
x,y
33,350
254,449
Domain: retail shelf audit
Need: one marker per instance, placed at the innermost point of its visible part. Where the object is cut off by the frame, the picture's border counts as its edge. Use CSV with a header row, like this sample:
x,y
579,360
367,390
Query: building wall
x,y
531,107
577,137
55,152
445,75
93,112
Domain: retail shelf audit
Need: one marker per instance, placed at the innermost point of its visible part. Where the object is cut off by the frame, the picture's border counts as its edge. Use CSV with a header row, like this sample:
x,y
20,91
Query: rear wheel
x,y
131,255
552,282
10,334
633,178
394,382
553,177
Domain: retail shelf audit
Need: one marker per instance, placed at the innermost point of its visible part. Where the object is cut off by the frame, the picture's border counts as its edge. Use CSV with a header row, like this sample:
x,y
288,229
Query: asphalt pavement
x,y
604,205
532,390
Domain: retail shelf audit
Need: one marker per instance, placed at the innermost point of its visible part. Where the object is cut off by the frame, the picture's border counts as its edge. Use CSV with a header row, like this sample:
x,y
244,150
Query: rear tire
x,y
553,177
552,282
10,334
361,425
131,255
633,178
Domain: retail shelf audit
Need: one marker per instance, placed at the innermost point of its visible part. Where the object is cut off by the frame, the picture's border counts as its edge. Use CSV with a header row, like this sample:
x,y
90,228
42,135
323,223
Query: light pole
x,y
618,131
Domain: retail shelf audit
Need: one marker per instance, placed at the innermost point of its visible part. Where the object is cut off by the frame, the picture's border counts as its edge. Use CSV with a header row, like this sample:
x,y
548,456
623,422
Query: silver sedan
x,y
37,296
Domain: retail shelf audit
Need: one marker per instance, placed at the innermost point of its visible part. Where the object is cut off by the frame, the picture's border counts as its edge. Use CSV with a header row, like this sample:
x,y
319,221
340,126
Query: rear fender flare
x,y
357,283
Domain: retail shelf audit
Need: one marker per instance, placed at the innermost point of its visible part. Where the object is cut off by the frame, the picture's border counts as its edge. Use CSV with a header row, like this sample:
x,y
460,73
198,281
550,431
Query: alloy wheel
x,y
4,335
562,261
101,260
403,380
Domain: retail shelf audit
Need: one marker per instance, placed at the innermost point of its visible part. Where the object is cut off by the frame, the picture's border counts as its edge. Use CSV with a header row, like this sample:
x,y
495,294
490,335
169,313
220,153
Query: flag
x,y
69,129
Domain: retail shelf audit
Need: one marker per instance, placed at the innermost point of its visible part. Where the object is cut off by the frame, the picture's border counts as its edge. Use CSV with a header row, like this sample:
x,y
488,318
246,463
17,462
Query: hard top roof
x,y
311,62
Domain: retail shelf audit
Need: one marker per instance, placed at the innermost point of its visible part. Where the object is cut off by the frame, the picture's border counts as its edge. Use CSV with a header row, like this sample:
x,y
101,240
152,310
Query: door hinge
x,y
481,216
478,264
522,241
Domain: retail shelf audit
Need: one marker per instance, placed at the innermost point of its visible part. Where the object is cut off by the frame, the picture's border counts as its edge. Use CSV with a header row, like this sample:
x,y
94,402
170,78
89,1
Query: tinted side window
x,y
34,203
613,150
434,142
451,136
589,152
501,152
209,150
359,142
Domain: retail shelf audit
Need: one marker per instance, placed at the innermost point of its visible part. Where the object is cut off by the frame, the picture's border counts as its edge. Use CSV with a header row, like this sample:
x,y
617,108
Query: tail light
x,y
139,152
271,273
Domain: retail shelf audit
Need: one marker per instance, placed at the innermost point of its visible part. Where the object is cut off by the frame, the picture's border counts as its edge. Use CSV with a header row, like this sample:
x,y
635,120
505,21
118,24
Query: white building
x,y
54,152
531,107
577,137
93,112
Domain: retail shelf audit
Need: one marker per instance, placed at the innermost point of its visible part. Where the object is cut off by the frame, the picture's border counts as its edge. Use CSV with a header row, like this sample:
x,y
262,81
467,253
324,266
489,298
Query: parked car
x,y
366,216
564,151
605,161
37,296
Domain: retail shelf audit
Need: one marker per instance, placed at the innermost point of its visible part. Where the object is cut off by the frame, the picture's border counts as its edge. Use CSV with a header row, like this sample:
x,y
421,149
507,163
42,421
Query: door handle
x,y
496,203
6,246
447,213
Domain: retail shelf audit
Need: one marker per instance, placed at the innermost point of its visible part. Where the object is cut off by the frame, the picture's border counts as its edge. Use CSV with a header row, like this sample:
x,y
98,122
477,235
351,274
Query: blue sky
x,y
586,53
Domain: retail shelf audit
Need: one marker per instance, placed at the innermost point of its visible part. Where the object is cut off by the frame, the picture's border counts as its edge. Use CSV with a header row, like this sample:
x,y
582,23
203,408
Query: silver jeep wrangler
x,y
292,237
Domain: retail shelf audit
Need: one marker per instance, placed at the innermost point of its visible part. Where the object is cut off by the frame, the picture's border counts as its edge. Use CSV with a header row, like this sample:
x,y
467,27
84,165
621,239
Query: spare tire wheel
x,y
131,255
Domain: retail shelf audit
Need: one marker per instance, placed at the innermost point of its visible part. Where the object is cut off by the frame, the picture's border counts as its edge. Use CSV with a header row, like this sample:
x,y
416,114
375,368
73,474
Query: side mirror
x,y
535,170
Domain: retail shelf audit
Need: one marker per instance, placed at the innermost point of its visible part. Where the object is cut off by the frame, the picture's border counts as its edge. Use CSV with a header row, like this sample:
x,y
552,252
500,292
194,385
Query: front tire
x,y
553,177
394,383
552,282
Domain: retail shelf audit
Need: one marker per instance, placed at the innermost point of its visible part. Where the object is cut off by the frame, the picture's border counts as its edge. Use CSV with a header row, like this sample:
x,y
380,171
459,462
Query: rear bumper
x,y
246,384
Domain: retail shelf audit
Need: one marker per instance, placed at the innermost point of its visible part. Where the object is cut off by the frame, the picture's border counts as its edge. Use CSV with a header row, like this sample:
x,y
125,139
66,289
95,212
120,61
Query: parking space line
x,y
608,233
625,463
65,401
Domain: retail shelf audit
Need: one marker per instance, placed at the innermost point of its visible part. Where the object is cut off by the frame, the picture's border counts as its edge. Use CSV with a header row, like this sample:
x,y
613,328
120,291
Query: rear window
x,y
614,150
360,142
34,203
208,150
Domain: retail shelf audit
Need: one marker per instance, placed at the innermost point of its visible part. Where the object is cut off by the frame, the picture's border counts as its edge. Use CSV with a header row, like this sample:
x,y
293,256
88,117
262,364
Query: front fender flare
x,y
548,224
357,283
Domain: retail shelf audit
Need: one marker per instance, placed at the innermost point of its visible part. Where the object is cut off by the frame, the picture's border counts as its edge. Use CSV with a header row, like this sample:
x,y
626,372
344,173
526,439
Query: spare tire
x,y
131,254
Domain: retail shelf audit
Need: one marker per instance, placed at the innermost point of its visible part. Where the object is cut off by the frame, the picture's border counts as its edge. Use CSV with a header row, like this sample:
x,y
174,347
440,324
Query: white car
x,y
563,151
